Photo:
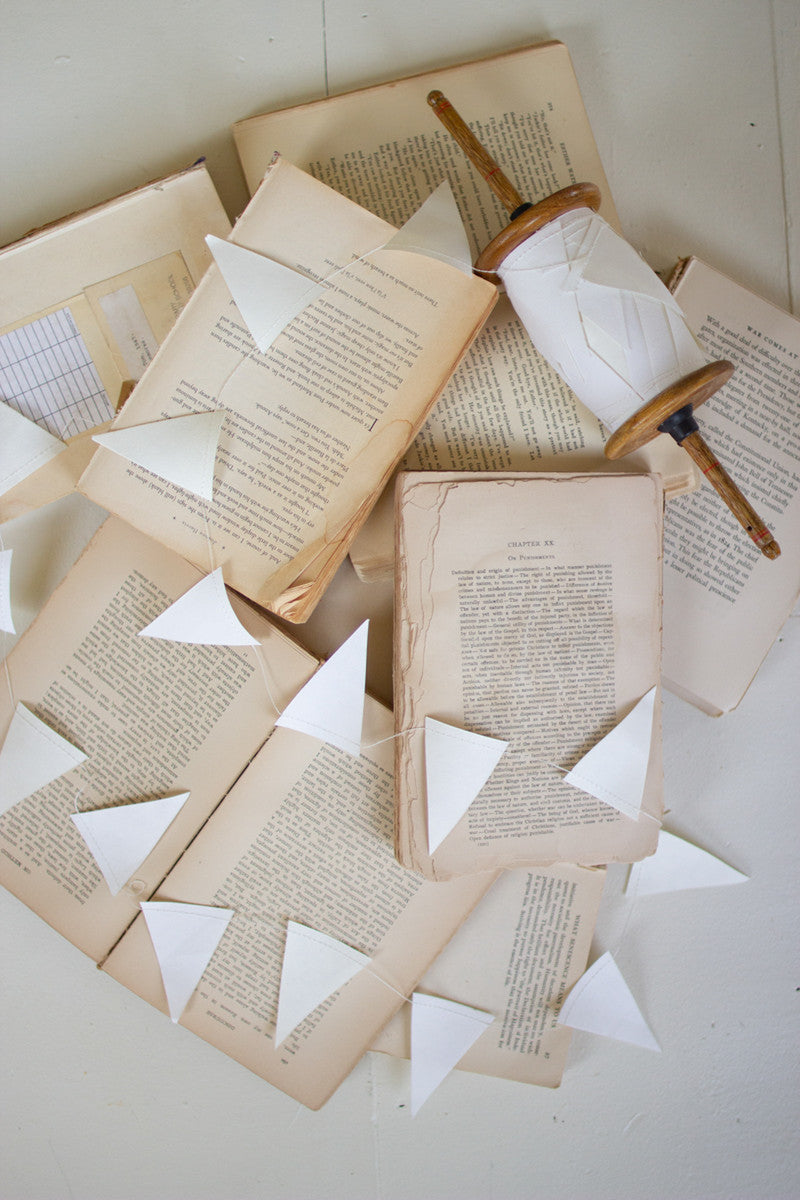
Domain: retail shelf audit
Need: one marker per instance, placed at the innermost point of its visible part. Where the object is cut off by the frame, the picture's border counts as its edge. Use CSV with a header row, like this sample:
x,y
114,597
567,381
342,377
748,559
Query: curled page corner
x,y
615,769
32,756
442,1032
457,765
24,447
331,705
677,866
314,967
268,294
203,616
436,230
184,937
181,449
121,837
601,1002
6,613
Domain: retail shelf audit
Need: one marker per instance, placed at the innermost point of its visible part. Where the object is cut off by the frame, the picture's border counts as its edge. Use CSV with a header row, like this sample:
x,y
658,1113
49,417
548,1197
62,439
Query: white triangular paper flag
x,y
267,293
32,755
314,967
457,765
441,1034
331,705
202,617
6,615
24,447
678,866
181,450
615,770
120,838
184,937
436,229
601,1002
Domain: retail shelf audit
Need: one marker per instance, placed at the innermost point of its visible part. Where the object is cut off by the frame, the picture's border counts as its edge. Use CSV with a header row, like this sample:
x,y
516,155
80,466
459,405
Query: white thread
x,y
599,315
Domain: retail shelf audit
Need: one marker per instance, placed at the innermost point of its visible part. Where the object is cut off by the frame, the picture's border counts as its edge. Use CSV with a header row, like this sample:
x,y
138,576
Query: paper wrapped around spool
x,y
599,315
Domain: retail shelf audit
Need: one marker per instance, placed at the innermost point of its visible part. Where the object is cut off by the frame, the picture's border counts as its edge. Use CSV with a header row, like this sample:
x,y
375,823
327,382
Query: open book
x,y
277,825
84,305
517,954
528,613
505,408
314,424
724,604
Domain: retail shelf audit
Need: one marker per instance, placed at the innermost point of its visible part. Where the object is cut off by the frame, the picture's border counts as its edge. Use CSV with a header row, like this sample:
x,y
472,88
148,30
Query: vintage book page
x,y
517,954
724,603
305,835
154,717
382,146
315,426
86,302
528,608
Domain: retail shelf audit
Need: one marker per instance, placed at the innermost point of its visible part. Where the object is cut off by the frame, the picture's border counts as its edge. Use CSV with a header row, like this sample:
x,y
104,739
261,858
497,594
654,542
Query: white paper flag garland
x,y
678,866
457,765
120,838
181,450
267,293
184,938
24,447
6,615
314,967
441,1034
201,616
615,770
436,230
32,756
331,705
601,1002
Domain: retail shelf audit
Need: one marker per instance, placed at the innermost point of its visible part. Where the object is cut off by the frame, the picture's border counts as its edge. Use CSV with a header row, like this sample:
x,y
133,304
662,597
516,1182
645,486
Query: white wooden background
x,y
694,106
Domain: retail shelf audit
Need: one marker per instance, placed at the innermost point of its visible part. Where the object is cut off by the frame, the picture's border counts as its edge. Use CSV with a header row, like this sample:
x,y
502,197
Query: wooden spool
x,y
671,411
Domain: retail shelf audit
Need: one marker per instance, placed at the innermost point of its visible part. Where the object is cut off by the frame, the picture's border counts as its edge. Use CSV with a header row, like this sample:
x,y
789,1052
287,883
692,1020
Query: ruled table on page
x,y
47,374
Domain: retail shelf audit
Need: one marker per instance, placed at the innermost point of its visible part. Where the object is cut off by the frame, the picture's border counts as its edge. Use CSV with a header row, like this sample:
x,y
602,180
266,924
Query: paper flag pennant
x,y
6,615
314,967
120,838
202,617
601,1002
184,937
181,450
457,765
678,866
441,1034
331,705
615,770
267,293
24,447
32,755
436,229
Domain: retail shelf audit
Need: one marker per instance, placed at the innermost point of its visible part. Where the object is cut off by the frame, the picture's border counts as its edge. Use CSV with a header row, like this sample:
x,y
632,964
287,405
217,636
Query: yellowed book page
x,y
384,148
517,954
315,426
504,409
528,609
305,835
84,305
724,602
154,717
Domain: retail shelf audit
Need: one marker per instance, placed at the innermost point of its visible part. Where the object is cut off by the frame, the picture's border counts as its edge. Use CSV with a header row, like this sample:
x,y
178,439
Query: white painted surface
x,y
695,110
